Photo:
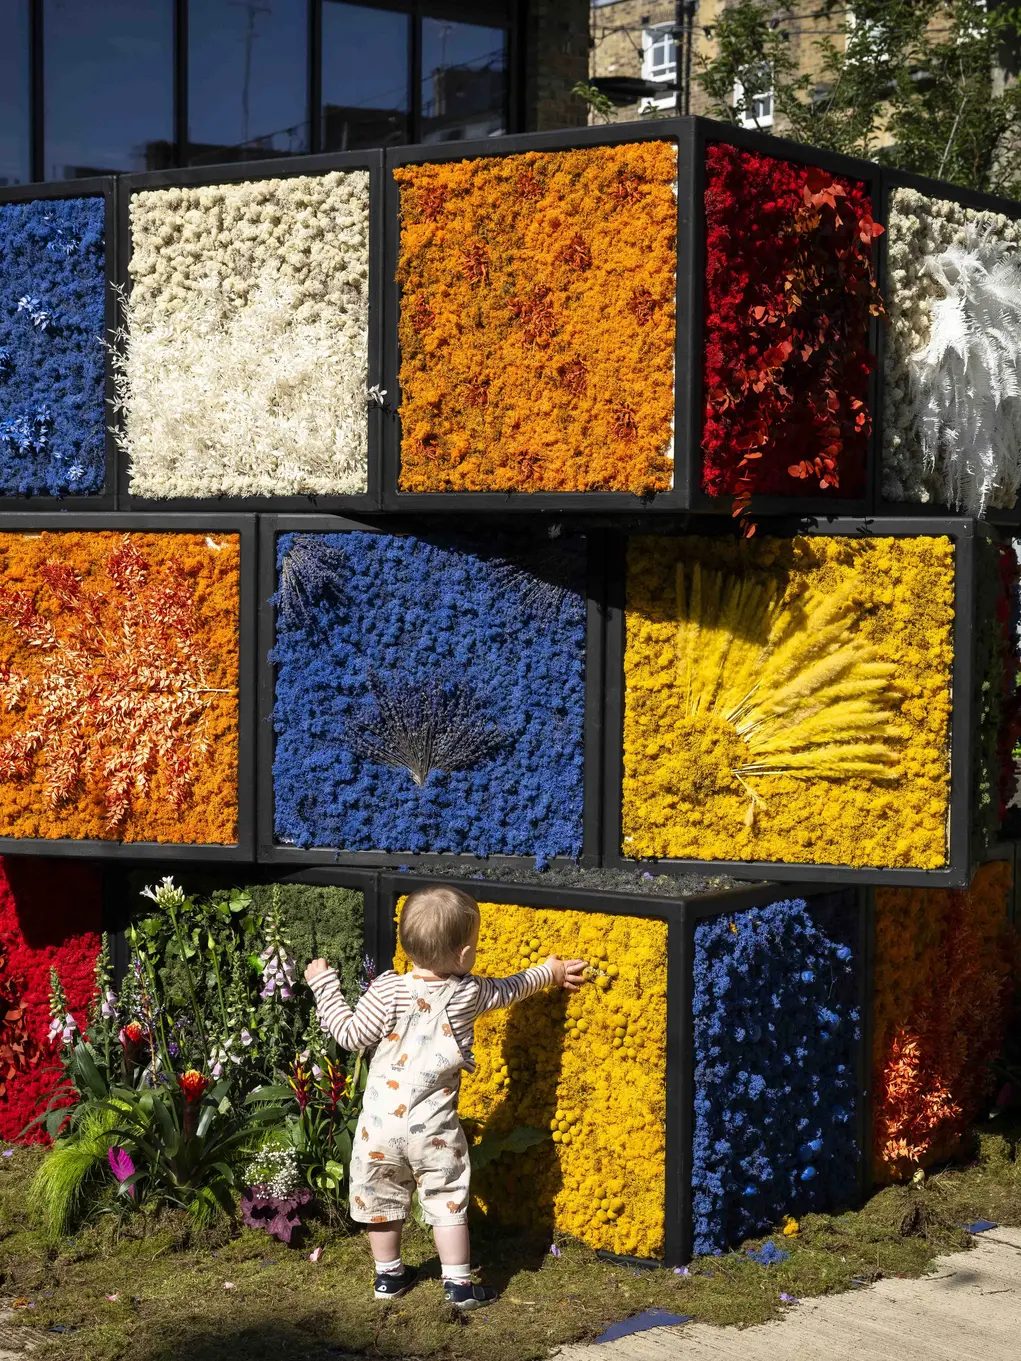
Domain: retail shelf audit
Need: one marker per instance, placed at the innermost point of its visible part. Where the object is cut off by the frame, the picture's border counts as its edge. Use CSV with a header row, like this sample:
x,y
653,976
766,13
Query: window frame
x,y
652,37
749,119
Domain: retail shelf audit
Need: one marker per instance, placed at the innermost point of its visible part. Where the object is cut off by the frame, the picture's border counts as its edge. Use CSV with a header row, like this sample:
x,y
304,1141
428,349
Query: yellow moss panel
x,y
788,699
588,1066
537,321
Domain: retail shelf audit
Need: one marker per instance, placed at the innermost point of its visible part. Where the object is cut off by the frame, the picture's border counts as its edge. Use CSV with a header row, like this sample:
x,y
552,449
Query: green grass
x,y
172,1302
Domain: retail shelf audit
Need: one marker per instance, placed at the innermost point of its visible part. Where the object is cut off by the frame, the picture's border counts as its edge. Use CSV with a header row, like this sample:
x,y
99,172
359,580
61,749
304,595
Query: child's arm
x,y
372,1018
502,992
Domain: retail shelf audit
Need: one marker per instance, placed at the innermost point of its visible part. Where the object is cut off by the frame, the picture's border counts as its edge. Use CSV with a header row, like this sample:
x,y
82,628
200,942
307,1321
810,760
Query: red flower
x,y
131,1034
193,1084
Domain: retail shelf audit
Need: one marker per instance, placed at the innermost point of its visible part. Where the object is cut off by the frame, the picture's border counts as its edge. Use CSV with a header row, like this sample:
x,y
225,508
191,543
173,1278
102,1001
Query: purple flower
x,y
554,1251
789,1299
121,1166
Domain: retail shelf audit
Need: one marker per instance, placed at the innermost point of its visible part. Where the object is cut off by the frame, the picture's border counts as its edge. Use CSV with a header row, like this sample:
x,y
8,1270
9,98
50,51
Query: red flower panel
x,y
789,291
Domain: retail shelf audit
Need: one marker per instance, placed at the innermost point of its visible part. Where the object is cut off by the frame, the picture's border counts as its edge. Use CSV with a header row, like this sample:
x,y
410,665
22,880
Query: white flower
x,y
166,894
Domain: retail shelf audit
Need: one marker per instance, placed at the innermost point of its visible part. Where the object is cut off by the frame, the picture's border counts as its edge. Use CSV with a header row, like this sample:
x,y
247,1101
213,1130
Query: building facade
x,y
127,85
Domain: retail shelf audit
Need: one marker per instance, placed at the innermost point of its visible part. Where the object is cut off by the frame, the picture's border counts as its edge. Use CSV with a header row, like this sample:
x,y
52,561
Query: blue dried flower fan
x,y
421,728
311,574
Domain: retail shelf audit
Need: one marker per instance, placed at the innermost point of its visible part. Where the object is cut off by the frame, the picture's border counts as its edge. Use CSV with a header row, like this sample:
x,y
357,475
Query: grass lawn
x,y
171,1299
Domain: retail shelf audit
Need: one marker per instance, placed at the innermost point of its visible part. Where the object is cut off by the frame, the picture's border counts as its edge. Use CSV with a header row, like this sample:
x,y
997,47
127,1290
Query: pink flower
x,y
121,1166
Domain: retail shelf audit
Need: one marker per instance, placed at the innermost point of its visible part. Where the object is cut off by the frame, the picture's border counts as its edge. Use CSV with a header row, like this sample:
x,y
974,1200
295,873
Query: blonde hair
x,y
436,924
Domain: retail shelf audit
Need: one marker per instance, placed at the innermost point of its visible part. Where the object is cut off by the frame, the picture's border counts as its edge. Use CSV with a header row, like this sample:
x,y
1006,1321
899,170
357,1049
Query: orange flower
x,y
193,1084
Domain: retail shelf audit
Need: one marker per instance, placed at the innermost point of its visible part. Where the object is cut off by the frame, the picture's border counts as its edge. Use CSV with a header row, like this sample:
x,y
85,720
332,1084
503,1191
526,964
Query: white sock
x,y
460,1275
393,1268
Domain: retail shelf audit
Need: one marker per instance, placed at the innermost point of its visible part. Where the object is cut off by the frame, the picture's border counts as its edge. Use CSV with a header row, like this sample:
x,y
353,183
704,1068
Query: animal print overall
x,y
409,1135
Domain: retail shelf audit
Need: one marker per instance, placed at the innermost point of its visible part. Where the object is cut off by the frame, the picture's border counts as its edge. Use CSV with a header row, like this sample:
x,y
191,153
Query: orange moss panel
x,y
537,321
119,686
944,965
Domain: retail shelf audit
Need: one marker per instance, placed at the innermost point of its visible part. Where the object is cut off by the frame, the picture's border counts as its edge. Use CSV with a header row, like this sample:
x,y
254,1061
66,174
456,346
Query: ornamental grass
x,y
537,321
588,1067
119,676
788,699
790,291
945,963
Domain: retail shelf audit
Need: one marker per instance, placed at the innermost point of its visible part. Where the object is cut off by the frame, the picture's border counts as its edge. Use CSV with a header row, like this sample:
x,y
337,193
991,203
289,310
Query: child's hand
x,y
317,967
566,972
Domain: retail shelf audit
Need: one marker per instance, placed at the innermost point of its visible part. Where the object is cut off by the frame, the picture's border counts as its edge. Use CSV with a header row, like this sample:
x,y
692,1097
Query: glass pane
x,y
365,76
109,86
247,80
464,81
14,136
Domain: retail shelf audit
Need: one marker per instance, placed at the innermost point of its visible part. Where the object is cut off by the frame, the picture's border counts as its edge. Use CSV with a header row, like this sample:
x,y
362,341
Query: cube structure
x,y
55,273
944,978
610,314
428,694
680,1102
806,701
247,351
951,437
125,655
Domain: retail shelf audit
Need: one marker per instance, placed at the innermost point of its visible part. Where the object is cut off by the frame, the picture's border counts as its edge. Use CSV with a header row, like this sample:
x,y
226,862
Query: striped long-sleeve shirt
x,y
388,997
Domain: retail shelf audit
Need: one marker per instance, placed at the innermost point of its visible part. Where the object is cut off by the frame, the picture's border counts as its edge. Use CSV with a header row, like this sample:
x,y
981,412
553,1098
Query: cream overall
x,y
409,1135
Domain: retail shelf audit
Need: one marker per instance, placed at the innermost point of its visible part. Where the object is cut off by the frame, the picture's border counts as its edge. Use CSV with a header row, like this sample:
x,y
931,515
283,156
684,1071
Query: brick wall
x,y
557,54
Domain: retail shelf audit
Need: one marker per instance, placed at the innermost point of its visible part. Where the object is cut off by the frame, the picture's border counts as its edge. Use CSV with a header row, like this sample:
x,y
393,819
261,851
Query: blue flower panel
x,y
52,357
430,693
776,1037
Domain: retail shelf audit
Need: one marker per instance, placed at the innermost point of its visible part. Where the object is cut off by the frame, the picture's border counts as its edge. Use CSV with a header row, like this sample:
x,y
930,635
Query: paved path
x,y
969,1309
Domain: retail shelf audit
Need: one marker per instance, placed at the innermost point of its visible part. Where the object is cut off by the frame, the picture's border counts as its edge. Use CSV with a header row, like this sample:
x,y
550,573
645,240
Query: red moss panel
x,y
789,292
50,917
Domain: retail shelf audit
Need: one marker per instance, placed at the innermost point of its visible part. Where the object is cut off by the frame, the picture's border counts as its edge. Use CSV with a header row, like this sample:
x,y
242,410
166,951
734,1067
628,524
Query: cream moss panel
x,y
245,361
920,227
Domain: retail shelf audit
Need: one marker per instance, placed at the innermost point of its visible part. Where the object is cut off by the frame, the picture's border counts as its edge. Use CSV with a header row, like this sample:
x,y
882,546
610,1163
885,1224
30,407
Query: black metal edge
x,y
679,1134
867,993
1015,898
957,872
286,168
95,186
270,852
614,134
707,131
890,180
243,849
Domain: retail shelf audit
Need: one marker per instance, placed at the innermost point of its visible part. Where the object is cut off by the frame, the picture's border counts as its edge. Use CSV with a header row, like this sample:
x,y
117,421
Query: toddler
x,y
422,1025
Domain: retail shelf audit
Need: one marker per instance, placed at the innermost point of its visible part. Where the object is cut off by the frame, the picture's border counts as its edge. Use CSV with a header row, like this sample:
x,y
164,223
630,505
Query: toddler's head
x,y
439,929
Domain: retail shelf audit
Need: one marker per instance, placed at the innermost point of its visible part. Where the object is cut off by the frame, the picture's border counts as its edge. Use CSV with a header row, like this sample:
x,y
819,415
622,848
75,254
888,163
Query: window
x,y
464,81
14,106
109,86
659,54
758,109
247,79
366,99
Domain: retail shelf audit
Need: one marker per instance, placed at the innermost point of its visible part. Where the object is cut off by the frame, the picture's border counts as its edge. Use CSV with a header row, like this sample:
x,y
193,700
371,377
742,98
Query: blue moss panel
x,y
430,693
52,357
776,1036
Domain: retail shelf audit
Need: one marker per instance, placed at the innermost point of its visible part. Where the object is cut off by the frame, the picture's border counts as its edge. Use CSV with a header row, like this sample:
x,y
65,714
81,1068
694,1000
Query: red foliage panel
x,y
789,290
50,916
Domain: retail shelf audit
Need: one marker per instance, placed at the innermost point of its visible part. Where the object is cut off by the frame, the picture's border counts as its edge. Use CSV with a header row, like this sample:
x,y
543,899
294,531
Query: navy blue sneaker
x,y
391,1285
465,1296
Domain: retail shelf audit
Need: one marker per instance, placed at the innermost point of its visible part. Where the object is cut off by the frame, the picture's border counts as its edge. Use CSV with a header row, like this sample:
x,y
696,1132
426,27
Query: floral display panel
x,y
997,695
776,1038
245,368
119,675
537,321
788,699
588,1067
52,355
943,992
952,410
50,918
430,693
790,292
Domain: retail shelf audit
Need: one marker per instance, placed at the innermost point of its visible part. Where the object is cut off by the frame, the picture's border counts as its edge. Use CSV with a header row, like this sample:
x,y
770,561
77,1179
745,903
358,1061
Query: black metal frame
x,y
957,871
250,171
890,181
691,136
272,852
104,187
681,913
244,527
